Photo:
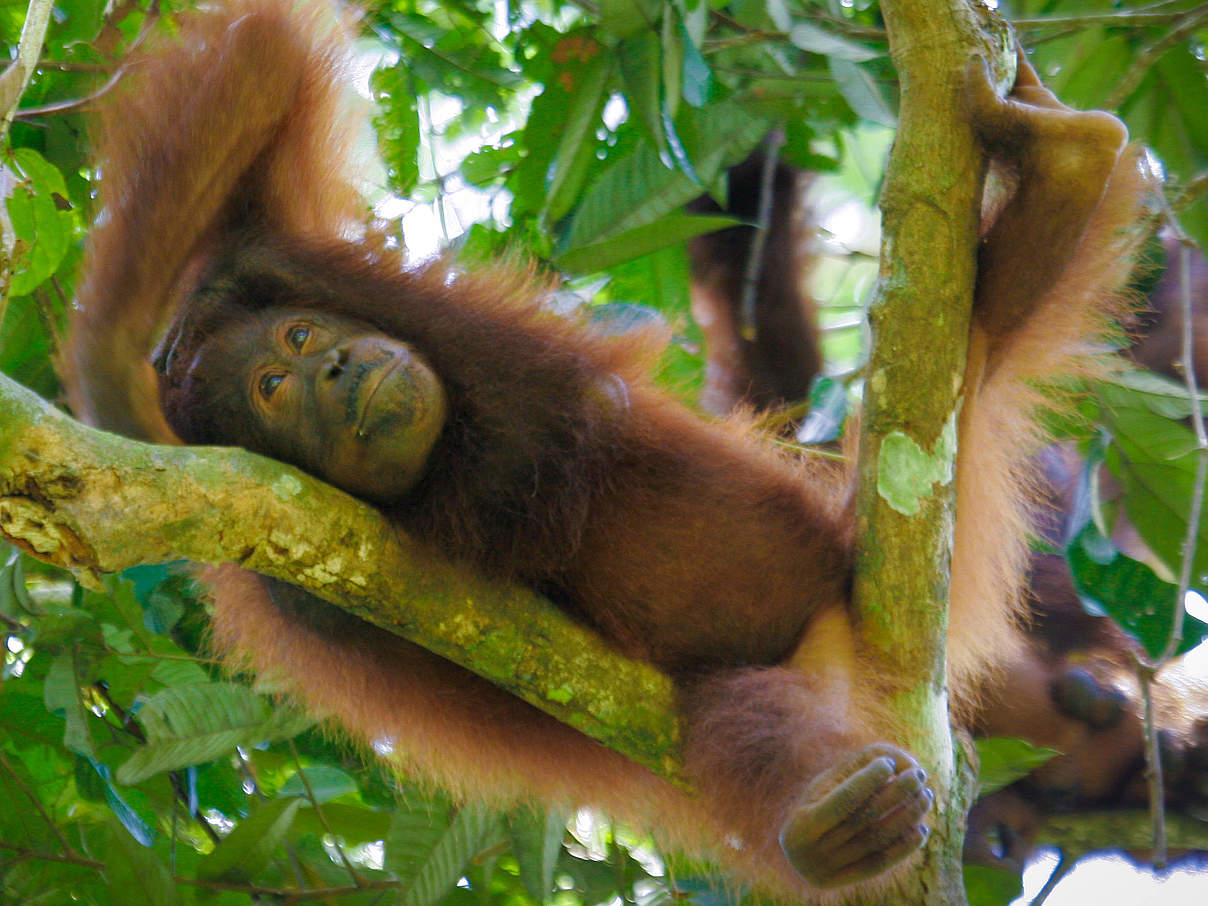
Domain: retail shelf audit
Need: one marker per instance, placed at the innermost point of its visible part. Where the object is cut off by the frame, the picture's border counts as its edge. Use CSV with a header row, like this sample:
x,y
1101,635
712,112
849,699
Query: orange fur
x,y
560,464
772,363
999,430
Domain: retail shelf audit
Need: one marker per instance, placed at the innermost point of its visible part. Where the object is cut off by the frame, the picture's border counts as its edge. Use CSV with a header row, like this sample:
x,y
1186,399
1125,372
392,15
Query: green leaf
x,y
25,718
1150,457
41,217
986,886
416,827
488,165
659,280
26,345
860,92
811,38
252,844
574,56
188,725
1004,760
536,838
62,693
326,781
19,820
15,601
670,230
397,126
640,57
671,53
136,871
1178,130
354,824
622,18
576,148
179,673
697,77
638,188
429,859
1140,389
1129,592
122,810
828,409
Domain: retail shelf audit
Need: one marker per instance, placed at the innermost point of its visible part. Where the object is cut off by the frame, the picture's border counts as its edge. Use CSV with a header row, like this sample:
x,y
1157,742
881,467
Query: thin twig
x,y
1146,58
131,727
1064,866
1154,781
314,802
1126,19
1147,670
250,775
754,268
72,104
285,894
1190,193
75,66
16,77
1196,504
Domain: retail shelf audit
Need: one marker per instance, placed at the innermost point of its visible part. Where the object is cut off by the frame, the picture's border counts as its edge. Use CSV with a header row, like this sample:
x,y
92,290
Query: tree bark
x,y
920,320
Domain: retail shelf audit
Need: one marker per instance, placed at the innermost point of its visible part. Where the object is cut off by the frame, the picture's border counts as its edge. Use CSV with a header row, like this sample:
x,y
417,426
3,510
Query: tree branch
x,y
930,207
93,502
18,73
1082,833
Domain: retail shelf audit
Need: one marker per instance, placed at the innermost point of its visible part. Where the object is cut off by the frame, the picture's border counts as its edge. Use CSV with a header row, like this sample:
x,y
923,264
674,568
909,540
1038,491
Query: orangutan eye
x,y
297,336
269,383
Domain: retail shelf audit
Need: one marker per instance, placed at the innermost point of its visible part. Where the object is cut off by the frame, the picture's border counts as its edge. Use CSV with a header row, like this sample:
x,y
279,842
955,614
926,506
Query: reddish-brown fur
x,y
687,543
773,361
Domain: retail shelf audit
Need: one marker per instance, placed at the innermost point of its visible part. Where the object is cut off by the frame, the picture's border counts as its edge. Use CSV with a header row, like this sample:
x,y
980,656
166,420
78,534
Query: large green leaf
x,y
650,72
860,91
622,18
429,852
577,62
62,692
1152,455
576,148
416,827
1130,593
42,220
1002,760
986,886
139,873
670,230
816,39
26,343
253,842
130,817
537,843
187,725
326,781
397,126
639,188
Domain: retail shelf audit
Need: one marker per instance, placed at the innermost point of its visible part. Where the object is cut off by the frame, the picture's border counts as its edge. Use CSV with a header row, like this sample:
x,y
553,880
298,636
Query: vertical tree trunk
x,y
920,322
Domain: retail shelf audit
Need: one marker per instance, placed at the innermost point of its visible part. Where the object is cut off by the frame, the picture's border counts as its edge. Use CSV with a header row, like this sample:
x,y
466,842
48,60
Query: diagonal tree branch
x,y
94,502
